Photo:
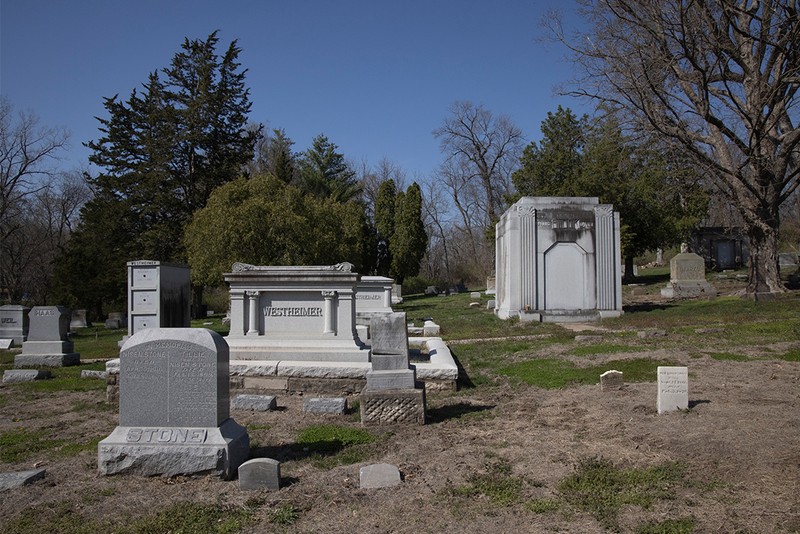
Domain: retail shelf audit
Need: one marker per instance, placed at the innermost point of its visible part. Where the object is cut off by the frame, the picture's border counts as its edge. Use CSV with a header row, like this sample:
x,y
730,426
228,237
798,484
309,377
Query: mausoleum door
x,y
565,276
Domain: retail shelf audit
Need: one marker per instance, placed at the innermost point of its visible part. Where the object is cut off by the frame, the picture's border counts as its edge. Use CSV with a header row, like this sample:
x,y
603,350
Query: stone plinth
x,y
558,259
48,344
294,313
14,323
687,277
378,476
174,407
389,407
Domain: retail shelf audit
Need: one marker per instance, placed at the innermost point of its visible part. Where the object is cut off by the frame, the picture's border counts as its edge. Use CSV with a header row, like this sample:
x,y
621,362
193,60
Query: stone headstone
x,y
6,344
430,329
475,295
78,319
256,403
673,389
20,478
48,344
260,473
397,294
491,304
24,375
14,323
335,405
112,324
174,407
491,283
379,476
389,333
611,380
390,395
687,277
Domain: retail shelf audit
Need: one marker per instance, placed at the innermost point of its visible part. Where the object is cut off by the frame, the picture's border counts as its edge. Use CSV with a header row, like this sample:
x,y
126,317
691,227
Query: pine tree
x,y
162,152
385,224
409,241
325,173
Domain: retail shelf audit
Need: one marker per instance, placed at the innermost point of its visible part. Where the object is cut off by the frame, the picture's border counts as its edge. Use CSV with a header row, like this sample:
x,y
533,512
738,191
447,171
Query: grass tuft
x,y
498,485
332,445
670,526
601,489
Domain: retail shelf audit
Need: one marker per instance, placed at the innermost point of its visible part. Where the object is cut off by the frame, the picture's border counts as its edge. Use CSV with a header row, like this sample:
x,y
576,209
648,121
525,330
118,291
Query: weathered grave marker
x,y
673,389
14,323
48,344
174,407
260,473
379,476
612,379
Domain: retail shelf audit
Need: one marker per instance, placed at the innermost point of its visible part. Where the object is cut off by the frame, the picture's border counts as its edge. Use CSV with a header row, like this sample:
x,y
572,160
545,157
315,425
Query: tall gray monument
x,y
159,295
48,344
558,259
174,407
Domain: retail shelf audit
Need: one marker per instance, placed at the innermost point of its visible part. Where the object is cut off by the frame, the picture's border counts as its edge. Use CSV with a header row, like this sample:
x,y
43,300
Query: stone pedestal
x,y
390,396
687,277
174,407
48,344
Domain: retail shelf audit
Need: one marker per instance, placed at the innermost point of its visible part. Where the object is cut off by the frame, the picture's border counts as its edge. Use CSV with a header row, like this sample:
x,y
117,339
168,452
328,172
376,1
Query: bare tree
x,y
721,78
371,179
485,148
25,150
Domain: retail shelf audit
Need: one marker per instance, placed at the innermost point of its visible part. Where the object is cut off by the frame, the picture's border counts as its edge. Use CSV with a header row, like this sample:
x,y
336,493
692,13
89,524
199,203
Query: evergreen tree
x,y
162,153
325,173
409,241
551,167
385,224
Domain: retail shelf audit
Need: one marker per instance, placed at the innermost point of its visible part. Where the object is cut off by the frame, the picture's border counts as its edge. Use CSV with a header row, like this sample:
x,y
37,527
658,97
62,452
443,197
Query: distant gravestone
x,y
20,478
687,277
612,379
475,295
335,405
491,283
14,323
174,407
78,319
48,344
379,476
673,389
260,473
24,375
256,403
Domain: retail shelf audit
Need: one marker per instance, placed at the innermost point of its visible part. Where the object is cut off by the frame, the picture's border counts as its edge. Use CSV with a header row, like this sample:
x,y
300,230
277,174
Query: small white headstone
x,y
673,389
379,476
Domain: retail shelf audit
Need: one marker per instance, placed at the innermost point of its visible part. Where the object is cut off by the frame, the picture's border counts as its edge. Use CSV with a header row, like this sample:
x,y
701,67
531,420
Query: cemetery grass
x,y
528,443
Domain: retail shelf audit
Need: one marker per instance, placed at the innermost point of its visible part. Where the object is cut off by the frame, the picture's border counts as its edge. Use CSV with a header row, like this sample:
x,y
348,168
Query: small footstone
x,y
475,295
474,304
256,403
87,373
24,375
611,380
19,478
5,344
379,476
335,405
260,473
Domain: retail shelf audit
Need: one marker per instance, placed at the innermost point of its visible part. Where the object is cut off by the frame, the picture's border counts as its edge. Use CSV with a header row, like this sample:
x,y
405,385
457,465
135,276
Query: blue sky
x,y
376,77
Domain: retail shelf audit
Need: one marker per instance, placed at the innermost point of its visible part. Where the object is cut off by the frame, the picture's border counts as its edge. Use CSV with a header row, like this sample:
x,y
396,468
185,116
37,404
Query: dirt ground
x,y
739,441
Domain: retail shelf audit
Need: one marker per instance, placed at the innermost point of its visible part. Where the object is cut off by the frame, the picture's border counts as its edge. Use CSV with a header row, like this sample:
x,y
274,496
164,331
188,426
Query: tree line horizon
x,y
185,177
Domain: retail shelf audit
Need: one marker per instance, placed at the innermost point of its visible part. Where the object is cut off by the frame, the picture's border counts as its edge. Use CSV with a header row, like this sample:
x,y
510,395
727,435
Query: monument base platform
x,y
171,451
688,290
259,348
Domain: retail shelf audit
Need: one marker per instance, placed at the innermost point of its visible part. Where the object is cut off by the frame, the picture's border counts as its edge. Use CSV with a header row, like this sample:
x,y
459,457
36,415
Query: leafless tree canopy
x,y
483,150
720,77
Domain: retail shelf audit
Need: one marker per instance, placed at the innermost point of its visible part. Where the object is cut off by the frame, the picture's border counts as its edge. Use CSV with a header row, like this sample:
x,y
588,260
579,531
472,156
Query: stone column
x,y
387,297
329,312
606,254
252,297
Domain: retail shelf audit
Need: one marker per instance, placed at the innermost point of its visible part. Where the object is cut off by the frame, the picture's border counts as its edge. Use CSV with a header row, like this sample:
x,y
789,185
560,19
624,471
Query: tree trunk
x,y
628,275
197,302
763,271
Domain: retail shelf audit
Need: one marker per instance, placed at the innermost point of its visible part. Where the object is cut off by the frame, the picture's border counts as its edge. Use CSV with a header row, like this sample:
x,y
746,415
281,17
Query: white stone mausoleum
x,y
558,259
